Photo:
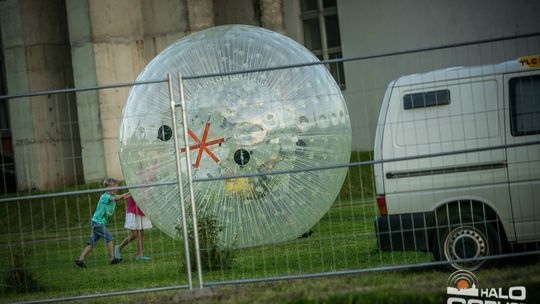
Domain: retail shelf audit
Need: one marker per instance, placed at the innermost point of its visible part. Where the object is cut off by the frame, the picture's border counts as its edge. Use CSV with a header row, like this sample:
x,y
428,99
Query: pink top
x,y
132,207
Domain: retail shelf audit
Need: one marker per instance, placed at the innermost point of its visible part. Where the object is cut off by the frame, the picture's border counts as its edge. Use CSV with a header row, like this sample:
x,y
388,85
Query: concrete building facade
x,y
66,139
370,28
44,131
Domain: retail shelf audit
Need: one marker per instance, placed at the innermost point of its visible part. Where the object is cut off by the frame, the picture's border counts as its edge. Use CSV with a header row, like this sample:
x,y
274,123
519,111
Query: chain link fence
x,y
363,231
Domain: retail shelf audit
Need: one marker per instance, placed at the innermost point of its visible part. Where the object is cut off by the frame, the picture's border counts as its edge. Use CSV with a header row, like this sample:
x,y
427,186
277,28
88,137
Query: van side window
x,y
525,105
426,99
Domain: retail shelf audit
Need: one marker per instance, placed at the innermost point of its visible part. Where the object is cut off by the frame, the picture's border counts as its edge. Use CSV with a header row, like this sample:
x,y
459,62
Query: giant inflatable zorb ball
x,y
281,120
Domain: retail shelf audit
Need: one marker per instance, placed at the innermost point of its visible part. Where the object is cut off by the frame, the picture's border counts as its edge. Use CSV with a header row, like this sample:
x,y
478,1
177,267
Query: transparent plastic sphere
x,y
287,119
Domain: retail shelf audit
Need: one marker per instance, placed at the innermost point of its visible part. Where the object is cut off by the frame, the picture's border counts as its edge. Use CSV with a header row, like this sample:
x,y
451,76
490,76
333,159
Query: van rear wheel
x,y
475,239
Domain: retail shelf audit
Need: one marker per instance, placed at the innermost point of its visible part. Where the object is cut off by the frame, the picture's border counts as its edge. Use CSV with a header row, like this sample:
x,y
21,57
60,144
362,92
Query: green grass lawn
x,y
45,236
390,287
343,239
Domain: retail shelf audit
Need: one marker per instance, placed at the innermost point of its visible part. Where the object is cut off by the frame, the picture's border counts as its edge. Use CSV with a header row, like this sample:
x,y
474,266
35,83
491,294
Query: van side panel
x,y
473,118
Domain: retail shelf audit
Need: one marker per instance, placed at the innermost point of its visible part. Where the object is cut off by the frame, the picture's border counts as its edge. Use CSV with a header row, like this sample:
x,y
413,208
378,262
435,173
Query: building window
x,y
321,33
426,99
525,105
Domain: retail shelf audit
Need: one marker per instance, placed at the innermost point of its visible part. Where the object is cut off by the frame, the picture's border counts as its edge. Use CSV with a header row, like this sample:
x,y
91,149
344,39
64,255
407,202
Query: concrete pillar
x,y
164,22
84,75
22,127
237,12
44,129
117,39
272,15
112,41
200,14
265,13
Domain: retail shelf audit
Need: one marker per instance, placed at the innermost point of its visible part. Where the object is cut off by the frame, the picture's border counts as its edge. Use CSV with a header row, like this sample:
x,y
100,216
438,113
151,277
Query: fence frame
x,y
174,105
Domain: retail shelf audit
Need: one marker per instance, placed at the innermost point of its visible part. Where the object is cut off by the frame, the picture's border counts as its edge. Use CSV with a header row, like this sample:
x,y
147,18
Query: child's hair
x,y
110,182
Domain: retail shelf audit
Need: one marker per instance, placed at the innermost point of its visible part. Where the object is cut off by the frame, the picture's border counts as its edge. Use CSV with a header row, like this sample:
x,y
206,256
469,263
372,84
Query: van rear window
x,y
426,99
525,105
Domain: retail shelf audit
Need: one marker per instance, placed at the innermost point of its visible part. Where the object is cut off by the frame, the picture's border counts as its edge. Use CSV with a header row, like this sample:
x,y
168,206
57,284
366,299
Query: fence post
x,y
190,179
180,183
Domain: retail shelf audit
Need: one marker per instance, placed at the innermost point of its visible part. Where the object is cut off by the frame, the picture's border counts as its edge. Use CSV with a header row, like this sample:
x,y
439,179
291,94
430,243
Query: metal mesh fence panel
x,y
459,182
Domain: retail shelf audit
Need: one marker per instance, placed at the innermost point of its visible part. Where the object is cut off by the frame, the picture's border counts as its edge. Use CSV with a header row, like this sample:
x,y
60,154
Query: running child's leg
x,y
85,252
140,241
127,240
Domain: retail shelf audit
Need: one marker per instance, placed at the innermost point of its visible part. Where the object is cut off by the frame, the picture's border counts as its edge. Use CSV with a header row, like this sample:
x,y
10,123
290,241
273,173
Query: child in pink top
x,y
136,221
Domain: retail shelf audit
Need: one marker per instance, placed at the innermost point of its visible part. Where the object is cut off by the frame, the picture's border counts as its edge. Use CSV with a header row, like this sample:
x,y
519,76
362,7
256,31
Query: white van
x,y
460,152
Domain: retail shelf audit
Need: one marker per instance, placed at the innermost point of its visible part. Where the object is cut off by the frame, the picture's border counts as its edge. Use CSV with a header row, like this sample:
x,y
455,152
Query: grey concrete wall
x,y
272,15
100,42
385,26
164,22
119,57
264,13
84,74
293,24
44,129
112,41
22,126
376,27
115,50
237,12
200,14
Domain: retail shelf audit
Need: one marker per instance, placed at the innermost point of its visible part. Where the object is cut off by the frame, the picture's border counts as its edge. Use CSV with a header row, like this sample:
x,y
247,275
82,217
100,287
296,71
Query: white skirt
x,y
137,222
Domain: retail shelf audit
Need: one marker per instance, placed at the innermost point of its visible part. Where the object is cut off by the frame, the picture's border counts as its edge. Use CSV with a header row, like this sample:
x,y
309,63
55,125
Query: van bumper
x,y
405,232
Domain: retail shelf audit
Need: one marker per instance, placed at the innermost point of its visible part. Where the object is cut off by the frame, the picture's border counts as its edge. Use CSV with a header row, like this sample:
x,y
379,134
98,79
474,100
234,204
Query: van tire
x,y
454,241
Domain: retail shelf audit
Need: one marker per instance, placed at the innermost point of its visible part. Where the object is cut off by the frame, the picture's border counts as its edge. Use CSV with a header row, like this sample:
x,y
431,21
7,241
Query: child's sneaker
x,y
117,251
142,258
116,261
80,263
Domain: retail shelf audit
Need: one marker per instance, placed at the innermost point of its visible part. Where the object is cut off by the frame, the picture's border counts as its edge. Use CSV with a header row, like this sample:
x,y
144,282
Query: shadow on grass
x,y
393,297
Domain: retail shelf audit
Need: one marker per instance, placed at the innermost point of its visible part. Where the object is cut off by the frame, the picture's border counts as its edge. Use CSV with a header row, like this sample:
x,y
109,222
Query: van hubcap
x,y
466,243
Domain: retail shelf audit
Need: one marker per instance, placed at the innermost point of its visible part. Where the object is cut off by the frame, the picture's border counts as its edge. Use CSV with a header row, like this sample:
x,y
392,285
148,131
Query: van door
x,y
522,117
